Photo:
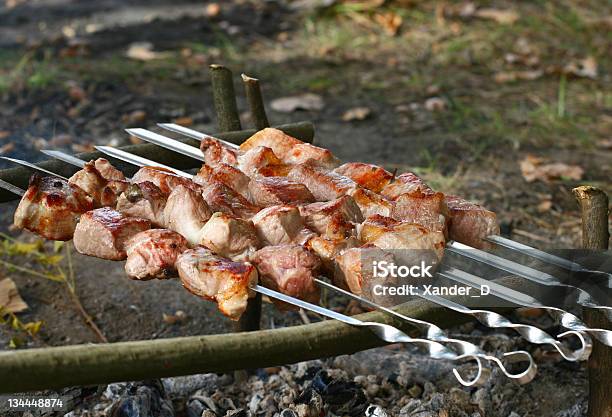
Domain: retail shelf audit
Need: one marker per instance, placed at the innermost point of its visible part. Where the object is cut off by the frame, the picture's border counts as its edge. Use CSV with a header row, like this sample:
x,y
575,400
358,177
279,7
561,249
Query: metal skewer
x,y
32,166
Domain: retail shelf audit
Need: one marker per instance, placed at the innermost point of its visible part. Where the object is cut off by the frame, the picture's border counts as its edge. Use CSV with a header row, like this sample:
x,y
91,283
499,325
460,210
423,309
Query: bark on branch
x,y
256,103
224,98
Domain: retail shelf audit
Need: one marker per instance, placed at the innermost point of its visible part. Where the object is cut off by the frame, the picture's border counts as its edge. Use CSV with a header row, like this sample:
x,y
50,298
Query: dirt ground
x,y
461,93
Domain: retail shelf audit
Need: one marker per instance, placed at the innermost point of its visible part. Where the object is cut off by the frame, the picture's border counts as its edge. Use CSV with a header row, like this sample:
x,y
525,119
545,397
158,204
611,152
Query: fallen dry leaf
x,y
533,168
306,101
135,117
435,104
511,76
586,68
604,144
10,300
544,206
213,9
177,317
183,121
504,17
357,113
4,134
6,148
390,22
76,93
143,51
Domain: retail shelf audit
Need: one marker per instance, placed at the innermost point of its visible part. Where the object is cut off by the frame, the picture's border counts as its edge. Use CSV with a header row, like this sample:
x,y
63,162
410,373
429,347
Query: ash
x,y
390,381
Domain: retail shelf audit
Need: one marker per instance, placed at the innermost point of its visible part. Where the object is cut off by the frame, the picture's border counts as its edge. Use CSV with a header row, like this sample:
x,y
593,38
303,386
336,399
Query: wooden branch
x,y
224,98
595,235
19,176
256,103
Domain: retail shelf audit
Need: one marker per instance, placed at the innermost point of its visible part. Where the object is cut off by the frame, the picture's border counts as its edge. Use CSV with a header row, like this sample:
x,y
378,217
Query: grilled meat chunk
x,y
144,200
327,250
355,272
371,203
425,207
334,219
470,222
224,199
216,153
289,269
371,177
230,237
217,279
225,174
103,233
153,253
271,191
323,184
281,225
101,181
404,183
51,207
290,150
415,241
261,161
186,213
166,180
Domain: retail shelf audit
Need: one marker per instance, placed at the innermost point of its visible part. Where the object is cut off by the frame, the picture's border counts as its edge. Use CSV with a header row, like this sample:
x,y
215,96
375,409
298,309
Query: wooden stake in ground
x,y
256,103
595,235
224,98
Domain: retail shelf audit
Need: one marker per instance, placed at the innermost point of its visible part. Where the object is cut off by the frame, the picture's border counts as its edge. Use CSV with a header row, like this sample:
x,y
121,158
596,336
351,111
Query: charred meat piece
x,y
335,219
281,225
415,241
101,181
402,184
216,153
103,233
153,253
51,208
290,150
144,200
186,213
271,191
470,222
289,269
371,203
166,180
261,161
217,279
425,207
371,177
323,184
327,249
230,237
355,272
224,199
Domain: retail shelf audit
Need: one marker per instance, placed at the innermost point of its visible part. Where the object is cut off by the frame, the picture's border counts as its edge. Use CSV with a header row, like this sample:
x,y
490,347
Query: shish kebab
x,y
529,332
205,258
465,349
475,215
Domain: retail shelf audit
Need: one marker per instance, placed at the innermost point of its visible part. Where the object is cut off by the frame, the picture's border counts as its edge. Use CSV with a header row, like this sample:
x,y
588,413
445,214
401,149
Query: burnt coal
x,y
241,412
288,413
340,395
143,399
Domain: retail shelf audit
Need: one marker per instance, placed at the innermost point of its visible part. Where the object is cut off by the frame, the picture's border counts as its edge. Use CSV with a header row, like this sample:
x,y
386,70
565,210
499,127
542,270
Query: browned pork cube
x,y
261,161
271,191
425,207
186,213
152,254
470,222
402,184
230,236
51,208
289,269
101,181
371,177
290,150
216,153
224,199
214,278
412,240
281,225
355,271
371,203
165,179
103,233
327,249
144,200
225,174
323,184
335,219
